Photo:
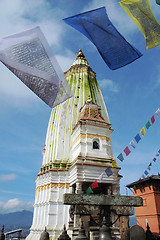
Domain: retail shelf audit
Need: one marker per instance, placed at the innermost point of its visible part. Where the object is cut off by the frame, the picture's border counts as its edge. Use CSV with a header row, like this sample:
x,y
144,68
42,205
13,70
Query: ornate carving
x,y
71,212
51,185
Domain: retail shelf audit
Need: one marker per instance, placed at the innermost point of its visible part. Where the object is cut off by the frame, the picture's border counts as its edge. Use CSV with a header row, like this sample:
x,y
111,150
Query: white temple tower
x,y
77,150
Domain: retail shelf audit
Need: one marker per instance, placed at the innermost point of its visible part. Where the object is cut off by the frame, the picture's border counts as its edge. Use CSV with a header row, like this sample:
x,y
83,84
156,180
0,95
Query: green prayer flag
x,y
149,168
89,190
148,124
158,2
120,157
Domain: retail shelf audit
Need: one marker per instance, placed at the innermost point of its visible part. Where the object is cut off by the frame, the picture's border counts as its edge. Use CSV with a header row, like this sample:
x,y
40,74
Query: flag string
x,y
108,171
139,136
146,172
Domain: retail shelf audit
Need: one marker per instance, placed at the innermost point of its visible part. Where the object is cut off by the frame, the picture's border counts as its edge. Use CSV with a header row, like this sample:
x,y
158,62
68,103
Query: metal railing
x,y
15,234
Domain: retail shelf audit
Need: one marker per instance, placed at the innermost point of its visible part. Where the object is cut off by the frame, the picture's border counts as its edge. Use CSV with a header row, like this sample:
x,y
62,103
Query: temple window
x,y
96,144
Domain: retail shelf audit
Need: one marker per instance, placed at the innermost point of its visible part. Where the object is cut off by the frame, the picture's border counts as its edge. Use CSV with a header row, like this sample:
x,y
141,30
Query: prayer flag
x,y
28,55
132,144
108,171
101,176
152,119
149,168
158,2
154,159
94,184
158,112
89,190
150,164
157,155
148,124
120,157
134,187
114,163
142,176
143,131
127,151
112,46
146,173
141,13
137,138
159,150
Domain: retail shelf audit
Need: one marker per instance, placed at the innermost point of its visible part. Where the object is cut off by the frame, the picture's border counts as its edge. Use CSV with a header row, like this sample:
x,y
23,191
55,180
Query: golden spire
x,y
80,55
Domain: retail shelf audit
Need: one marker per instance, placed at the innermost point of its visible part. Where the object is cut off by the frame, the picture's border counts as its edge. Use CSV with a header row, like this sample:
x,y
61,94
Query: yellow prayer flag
x,y
114,163
141,13
143,131
134,187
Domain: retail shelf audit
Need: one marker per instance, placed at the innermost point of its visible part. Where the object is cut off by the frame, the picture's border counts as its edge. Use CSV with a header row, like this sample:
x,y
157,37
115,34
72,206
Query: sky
x,y
131,94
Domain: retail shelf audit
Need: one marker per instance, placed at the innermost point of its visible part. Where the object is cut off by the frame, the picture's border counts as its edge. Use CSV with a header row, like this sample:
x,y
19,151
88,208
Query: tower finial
x,y
80,55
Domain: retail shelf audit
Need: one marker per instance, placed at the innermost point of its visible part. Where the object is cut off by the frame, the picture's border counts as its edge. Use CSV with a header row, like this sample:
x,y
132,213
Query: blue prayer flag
x,y
159,150
108,171
146,172
112,46
137,138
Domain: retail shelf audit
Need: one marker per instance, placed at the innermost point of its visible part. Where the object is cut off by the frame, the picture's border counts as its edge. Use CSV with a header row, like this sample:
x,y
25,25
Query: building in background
x,y
77,151
148,189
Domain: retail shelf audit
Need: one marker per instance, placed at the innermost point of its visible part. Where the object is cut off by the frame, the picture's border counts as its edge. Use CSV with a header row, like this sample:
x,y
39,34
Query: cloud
x,y
20,15
7,177
108,85
13,205
16,193
66,60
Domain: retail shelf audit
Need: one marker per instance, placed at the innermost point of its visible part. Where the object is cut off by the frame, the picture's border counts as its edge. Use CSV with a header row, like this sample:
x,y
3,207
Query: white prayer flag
x,y
132,144
142,176
101,177
28,55
158,112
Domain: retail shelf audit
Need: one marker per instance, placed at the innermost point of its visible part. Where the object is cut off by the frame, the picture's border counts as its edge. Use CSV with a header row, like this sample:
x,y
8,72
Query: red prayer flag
x,y
94,185
154,159
127,151
152,119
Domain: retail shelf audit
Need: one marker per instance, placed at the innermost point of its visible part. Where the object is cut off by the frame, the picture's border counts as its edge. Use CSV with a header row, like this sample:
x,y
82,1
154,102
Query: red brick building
x,y
149,190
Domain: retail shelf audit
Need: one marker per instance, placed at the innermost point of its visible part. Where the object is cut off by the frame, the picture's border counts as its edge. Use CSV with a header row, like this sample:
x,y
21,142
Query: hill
x,y
19,219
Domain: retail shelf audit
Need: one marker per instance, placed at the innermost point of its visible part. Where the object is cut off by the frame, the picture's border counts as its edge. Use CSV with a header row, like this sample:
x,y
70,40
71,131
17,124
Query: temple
x,y
77,150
